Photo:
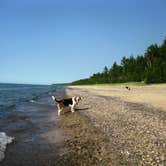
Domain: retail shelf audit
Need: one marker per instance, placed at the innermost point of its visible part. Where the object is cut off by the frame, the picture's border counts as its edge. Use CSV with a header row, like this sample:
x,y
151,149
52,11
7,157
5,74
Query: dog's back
x,y
65,102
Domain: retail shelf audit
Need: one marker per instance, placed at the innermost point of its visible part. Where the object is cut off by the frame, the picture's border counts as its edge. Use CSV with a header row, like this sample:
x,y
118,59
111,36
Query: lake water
x,y
22,108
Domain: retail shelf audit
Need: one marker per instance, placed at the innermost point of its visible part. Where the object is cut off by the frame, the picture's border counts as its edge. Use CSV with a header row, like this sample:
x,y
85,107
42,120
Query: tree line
x,y
148,68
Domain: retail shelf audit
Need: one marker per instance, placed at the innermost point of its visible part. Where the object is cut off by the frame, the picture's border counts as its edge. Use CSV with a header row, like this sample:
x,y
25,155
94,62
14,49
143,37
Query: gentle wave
x,y
13,94
4,107
4,140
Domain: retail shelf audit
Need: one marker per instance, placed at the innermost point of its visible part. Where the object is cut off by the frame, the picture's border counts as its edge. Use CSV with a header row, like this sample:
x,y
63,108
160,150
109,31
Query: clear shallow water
x,y
13,94
23,120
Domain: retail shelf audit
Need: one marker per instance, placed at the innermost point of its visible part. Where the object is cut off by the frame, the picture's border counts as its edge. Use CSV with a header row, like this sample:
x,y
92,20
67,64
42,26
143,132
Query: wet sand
x,y
85,145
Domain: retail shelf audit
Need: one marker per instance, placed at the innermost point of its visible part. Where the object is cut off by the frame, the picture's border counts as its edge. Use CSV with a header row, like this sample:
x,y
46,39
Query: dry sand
x,y
133,121
154,95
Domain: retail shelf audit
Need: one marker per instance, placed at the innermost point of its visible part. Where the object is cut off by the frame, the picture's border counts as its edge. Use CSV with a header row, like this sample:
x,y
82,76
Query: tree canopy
x,y
149,68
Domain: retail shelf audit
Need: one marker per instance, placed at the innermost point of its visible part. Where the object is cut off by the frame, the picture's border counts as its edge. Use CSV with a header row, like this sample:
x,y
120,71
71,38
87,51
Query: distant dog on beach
x,y
70,102
128,88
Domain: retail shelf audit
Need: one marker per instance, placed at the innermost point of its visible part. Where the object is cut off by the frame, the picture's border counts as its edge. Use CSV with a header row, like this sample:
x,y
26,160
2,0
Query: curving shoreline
x,y
104,130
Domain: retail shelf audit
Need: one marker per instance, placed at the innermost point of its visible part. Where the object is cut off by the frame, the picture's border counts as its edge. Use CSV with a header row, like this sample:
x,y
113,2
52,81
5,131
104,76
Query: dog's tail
x,y
53,97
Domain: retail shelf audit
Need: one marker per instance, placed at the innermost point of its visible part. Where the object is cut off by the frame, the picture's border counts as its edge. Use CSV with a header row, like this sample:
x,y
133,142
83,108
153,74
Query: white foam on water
x,y
4,140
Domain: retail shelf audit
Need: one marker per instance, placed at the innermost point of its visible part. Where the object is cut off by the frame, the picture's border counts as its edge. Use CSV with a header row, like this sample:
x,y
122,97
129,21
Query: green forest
x,y
148,68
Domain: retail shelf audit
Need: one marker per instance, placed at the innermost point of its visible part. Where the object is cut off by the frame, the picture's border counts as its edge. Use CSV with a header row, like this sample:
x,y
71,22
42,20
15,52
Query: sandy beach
x,y
152,95
134,121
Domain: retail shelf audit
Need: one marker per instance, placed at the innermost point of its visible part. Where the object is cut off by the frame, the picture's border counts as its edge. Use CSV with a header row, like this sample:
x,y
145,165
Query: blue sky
x,y
53,41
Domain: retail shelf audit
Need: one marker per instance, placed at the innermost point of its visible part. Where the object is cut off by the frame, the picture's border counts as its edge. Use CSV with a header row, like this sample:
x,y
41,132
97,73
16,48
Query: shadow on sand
x,y
68,110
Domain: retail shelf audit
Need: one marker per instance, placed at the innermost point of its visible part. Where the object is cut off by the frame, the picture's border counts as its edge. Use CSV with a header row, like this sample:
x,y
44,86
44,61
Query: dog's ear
x,y
53,97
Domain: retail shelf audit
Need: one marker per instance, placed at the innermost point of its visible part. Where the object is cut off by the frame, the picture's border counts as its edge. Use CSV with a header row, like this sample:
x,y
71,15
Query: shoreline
x,y
84,144
42,138
104,130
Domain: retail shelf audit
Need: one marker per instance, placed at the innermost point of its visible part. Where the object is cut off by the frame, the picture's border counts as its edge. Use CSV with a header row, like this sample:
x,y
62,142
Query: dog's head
x,y
53,98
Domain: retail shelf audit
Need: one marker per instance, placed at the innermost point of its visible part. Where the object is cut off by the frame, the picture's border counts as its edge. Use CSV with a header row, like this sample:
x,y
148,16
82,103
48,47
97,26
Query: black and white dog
x,y
70,102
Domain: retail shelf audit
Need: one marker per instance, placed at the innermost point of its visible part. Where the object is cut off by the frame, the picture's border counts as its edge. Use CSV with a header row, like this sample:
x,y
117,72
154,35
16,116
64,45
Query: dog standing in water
x,y
70,102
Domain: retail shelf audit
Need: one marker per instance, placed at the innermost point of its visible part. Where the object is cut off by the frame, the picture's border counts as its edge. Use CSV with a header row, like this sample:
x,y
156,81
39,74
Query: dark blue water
x,y
12,95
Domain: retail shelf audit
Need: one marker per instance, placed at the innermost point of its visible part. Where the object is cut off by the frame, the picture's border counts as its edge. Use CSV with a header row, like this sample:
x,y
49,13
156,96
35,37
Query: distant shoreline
x,y
118,84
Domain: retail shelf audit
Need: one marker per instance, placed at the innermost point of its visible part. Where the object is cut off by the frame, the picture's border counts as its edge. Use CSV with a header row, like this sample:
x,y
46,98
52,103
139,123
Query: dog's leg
x,y
72,108
59,109
73,105
59,112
